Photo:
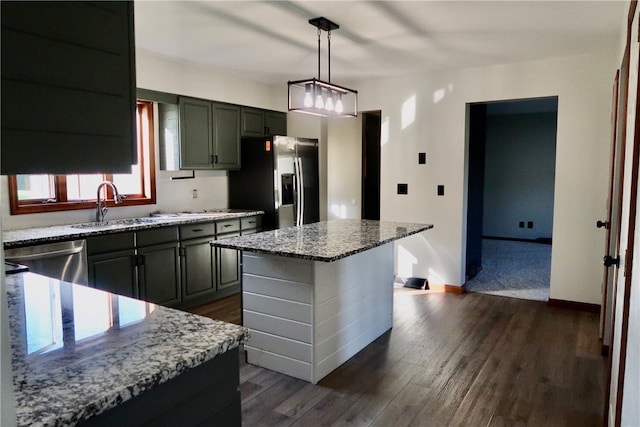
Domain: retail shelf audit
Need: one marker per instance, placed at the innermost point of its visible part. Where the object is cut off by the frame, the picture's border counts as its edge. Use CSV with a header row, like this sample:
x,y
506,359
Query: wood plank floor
x,y
459,360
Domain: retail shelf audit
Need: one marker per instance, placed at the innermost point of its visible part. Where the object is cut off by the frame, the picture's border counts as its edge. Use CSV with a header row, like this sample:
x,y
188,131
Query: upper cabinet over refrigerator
x,y
279,175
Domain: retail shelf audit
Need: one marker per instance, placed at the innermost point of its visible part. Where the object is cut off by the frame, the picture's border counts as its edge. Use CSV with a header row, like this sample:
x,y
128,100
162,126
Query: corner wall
x,y
426,112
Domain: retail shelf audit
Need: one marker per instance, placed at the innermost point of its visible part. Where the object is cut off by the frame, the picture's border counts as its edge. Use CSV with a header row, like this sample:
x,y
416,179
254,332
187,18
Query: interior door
x,y
614,217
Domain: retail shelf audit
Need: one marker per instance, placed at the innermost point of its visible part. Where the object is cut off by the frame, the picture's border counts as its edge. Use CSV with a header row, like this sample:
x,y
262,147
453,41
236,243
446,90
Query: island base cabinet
x,y
309,317
207,395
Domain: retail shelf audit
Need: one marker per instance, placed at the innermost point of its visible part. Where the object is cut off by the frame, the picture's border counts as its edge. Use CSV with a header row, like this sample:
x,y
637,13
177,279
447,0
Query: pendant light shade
x,y
318,97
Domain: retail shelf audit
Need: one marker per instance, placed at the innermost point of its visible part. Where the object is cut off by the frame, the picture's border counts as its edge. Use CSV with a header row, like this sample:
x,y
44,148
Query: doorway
x,y
511,179
371,165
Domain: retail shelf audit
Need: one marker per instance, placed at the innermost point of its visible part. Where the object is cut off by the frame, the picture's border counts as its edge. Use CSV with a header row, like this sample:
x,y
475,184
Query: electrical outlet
x,y
422,158
440,190
194,194
530,224
521,224
403,188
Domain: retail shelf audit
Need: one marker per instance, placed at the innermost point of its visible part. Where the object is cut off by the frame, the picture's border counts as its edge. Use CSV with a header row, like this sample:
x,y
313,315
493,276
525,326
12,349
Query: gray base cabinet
x,y
112,264
229,266
144,265
172,266
114,272
159,274
208,395
198,270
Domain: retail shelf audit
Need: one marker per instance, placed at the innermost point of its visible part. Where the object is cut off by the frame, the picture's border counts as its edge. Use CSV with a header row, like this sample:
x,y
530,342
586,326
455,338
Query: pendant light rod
x,y
323,24
319,32
329,56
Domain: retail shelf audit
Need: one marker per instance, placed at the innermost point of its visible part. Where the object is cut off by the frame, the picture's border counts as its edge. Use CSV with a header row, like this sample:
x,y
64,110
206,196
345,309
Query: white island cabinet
x,y
315,295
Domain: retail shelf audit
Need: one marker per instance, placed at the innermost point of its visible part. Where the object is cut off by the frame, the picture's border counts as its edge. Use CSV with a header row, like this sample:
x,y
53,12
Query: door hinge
x,y
608,261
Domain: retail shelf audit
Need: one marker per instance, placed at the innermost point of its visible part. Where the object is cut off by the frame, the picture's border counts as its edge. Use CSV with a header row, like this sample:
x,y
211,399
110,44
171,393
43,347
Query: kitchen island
x,y
85,356
315,295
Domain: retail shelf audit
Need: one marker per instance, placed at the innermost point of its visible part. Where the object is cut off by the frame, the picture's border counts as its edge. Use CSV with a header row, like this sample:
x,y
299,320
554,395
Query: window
x,y
49,193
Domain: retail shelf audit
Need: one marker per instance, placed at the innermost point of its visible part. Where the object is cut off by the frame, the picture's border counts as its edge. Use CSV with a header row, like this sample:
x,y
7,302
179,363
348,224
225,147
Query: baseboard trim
x,y
450,289
582,306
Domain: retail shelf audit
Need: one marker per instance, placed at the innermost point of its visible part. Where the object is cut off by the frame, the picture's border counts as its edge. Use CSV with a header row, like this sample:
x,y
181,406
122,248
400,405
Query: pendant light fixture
x,y
318,97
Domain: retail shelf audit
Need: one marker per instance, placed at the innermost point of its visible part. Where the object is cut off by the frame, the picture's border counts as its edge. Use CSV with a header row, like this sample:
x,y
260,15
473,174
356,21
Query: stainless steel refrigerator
x,y
278,175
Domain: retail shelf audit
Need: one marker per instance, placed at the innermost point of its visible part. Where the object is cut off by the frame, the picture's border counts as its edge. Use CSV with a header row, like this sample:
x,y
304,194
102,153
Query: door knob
x,y
601,224
608,261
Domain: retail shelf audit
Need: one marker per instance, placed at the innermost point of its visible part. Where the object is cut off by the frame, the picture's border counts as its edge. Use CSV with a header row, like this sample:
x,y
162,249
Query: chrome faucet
x,y
101,205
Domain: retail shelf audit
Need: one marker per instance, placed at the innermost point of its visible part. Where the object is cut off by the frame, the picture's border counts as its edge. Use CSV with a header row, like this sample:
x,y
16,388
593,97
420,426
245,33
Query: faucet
x,y
101,205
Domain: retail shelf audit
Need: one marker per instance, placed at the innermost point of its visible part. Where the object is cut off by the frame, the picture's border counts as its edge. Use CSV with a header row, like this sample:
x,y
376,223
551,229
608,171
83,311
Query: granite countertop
x,y
324,241
78,351
39,235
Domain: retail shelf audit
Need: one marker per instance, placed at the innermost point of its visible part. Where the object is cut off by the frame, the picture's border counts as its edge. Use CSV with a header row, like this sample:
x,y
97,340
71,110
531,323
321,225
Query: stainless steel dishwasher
x,y
65,261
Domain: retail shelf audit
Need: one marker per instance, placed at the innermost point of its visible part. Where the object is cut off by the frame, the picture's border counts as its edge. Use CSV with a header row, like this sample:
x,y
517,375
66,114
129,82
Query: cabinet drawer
x,y
193,231
110,243
227,226
250,222
156,236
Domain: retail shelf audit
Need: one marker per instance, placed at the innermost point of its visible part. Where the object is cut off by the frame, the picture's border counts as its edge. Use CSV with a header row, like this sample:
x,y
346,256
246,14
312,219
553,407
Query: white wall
x,y
436,125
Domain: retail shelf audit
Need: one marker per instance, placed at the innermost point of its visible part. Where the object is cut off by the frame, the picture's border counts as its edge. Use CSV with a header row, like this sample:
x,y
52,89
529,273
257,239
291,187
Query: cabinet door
x,y
159,273
276,123
226,139
198,269
68,87
253,122
196,134
114,272
228,263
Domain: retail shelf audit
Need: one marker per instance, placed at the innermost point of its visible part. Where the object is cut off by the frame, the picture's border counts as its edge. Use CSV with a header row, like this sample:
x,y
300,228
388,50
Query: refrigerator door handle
x,y
300,192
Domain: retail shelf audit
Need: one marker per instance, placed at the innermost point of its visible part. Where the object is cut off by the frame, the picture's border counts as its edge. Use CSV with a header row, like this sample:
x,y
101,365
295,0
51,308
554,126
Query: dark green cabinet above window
x,y
209,134
68,87
258,122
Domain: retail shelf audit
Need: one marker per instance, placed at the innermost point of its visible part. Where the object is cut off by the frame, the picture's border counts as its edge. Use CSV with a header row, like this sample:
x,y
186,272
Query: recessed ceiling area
x,y
272,41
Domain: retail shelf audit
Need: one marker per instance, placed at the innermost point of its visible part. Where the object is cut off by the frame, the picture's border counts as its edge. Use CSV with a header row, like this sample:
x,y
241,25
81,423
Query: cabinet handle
x,y
138,260
226,225
251,222
197,230
215,159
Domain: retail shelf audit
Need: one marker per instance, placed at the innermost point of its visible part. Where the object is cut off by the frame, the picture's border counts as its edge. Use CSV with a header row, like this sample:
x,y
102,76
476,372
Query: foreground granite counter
x,y
56,233
78,352
324,241
315,295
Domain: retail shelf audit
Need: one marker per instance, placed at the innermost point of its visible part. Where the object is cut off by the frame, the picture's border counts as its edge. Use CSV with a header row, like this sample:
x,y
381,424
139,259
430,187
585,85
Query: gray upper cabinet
x,y
209,134
276,122
68,87
196,134
226,138
258,122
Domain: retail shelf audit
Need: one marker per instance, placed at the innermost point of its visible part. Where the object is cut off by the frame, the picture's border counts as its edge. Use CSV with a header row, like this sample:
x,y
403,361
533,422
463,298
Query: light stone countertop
x,y
56,233
324,241
78,351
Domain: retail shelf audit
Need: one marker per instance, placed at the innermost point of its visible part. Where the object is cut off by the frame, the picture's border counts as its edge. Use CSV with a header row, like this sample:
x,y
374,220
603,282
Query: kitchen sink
x,y
212,213
115,223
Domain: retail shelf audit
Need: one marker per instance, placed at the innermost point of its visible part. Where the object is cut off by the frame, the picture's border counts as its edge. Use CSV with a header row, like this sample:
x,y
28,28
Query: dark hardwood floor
x,y
467,360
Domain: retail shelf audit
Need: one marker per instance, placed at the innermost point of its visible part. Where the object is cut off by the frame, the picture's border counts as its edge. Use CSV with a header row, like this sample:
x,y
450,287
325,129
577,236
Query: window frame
x,y
17,207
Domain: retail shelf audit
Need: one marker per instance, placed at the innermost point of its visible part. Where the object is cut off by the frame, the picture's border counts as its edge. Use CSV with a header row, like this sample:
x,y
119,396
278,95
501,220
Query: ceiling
x,y
272,41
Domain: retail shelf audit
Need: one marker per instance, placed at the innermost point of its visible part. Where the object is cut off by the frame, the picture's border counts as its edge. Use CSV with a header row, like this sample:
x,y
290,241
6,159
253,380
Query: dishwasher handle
x,y
42,255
